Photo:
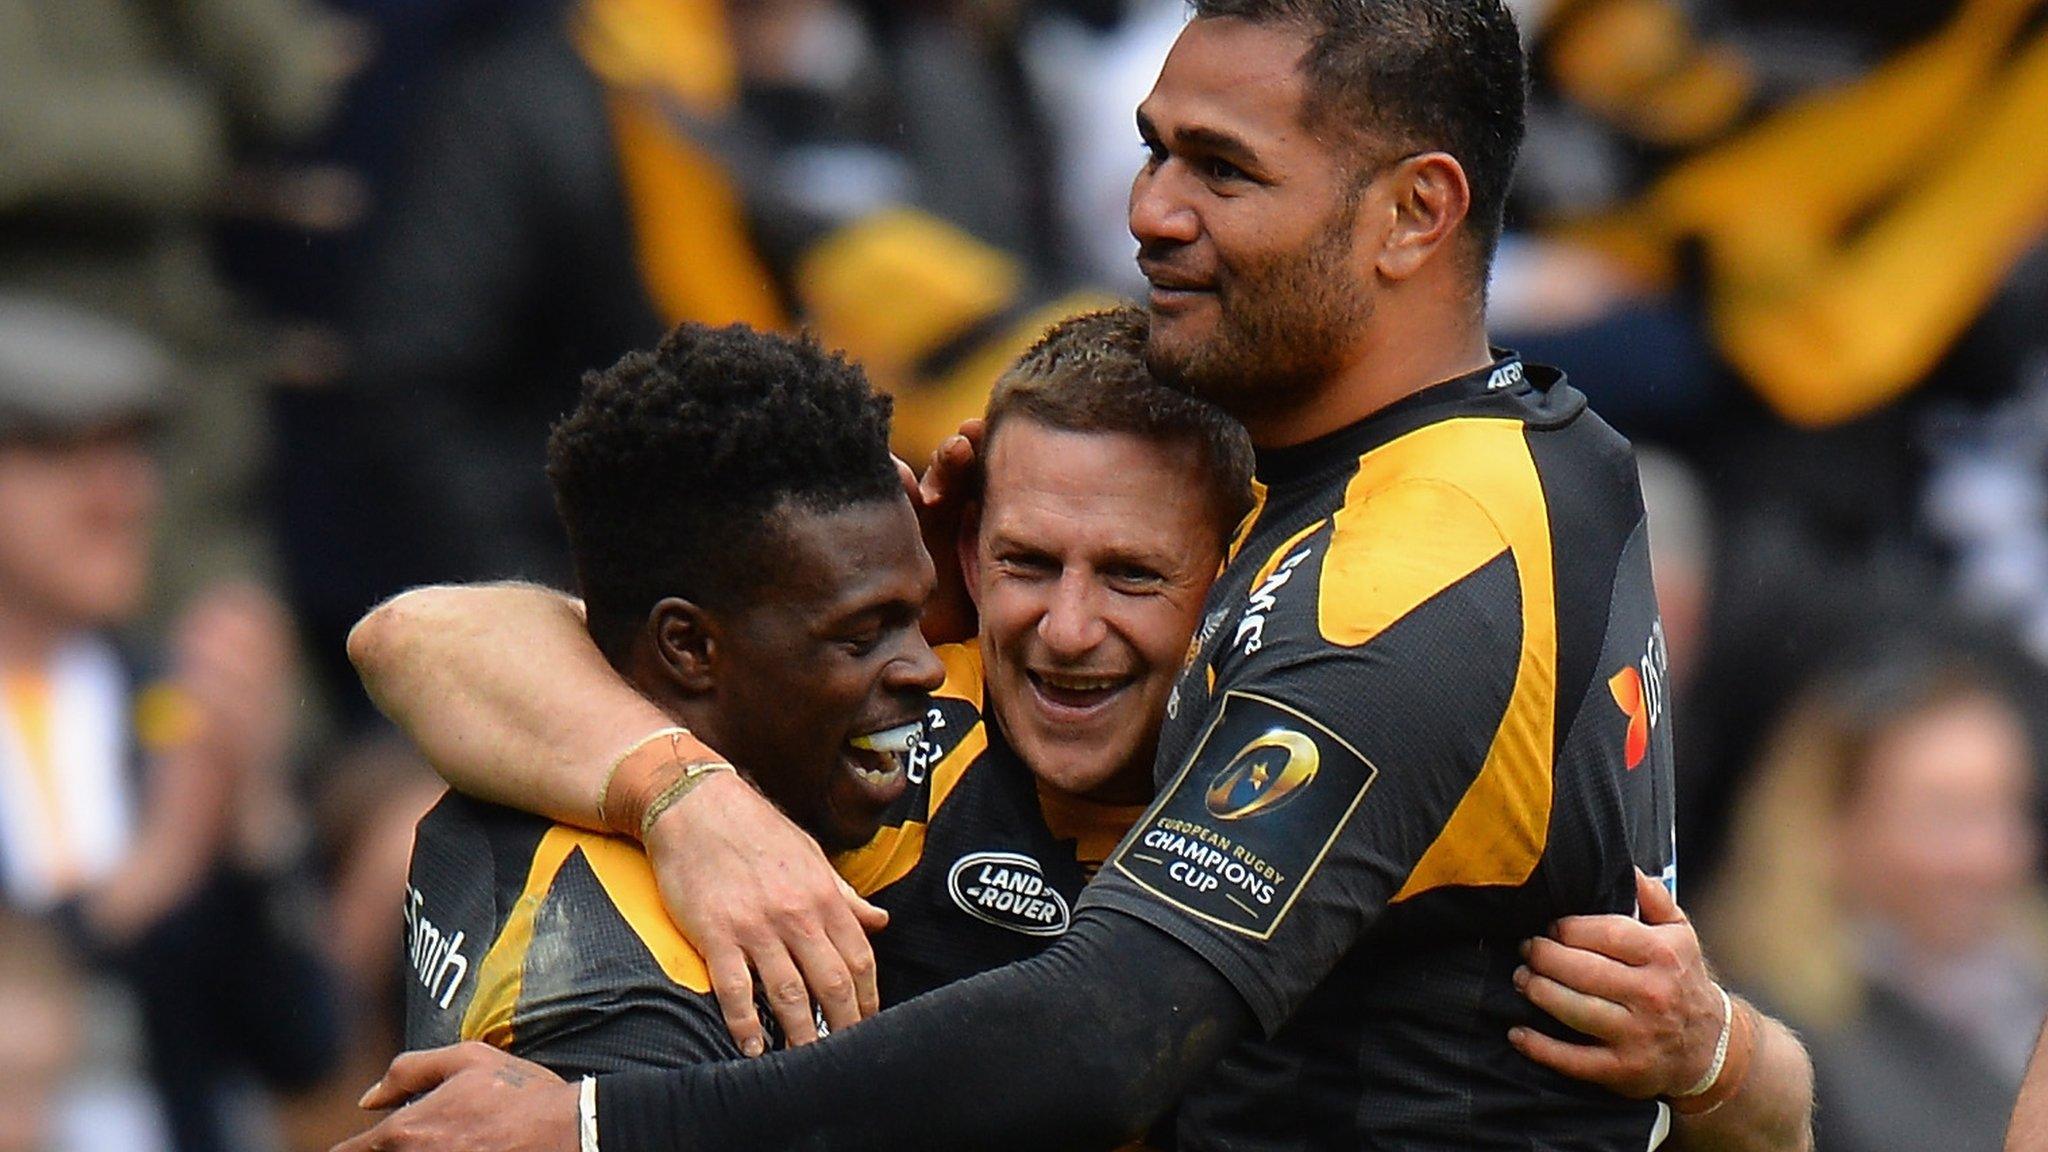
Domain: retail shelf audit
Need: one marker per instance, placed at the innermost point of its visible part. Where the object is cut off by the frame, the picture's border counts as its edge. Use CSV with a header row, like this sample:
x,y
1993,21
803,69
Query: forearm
x,y
1774,1110
501,688
1081,1047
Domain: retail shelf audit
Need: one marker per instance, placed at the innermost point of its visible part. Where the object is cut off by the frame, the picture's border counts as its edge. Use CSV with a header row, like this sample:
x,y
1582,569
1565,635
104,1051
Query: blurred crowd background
x,y
290,291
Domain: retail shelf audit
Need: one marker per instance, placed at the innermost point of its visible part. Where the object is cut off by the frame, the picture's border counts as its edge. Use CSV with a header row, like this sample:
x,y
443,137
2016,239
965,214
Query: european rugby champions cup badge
x,y
1250,818
1265,774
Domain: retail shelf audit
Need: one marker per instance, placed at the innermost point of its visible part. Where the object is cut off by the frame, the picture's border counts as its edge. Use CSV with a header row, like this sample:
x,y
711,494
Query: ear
x,y
685,644
1430,197
968,541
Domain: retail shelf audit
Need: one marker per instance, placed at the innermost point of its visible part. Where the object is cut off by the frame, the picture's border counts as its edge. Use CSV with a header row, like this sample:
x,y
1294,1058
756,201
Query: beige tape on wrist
x,y
693,774
636,776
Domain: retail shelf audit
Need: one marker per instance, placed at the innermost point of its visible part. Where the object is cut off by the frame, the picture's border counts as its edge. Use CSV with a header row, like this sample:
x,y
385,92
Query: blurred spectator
x,y
1881,893
1793,246
147,814
1751,610
326,510
126,125
41,998
505,263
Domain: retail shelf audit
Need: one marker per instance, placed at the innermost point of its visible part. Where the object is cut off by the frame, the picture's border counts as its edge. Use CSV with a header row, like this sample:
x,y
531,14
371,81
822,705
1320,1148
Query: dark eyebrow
x,y
883,612
1213,141
1216,142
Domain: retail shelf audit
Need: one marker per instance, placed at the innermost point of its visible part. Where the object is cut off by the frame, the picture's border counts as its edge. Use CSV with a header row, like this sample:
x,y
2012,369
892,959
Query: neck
x,y
1131,787
693,712
696,712
1401,352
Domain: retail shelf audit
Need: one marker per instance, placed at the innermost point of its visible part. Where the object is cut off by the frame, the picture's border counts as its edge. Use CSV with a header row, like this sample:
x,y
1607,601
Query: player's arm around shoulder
x,y
503,690
1736,1079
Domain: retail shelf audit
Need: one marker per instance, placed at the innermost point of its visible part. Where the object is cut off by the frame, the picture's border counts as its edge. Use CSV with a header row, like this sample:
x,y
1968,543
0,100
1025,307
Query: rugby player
x,y
1109,500
750,566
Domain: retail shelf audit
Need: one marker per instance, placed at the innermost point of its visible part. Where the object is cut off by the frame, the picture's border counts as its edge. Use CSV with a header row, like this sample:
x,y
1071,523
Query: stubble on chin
x,y
1252,367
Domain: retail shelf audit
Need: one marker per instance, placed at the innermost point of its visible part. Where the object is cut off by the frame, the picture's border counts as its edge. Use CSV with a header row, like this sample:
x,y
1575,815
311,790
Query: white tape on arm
x,y
586,1115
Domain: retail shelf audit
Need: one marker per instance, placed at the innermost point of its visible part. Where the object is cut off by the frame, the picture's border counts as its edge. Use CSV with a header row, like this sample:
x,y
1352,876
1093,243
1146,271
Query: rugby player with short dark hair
x,y
751,566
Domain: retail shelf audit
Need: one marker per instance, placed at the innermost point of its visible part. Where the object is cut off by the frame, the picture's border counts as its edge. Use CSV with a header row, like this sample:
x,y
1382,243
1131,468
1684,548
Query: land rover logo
x,y
1009,890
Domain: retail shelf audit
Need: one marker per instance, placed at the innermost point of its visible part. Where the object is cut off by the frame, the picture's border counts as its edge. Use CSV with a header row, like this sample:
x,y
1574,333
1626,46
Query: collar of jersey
x,y
1539,399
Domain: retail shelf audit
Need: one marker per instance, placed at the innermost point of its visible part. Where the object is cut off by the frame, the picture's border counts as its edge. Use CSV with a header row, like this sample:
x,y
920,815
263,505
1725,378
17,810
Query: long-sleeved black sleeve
x,y
1083,1046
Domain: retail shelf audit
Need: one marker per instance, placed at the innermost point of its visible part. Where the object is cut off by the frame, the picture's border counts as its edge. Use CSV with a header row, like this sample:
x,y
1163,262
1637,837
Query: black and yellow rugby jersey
x,y
977,865
1422,719
551,943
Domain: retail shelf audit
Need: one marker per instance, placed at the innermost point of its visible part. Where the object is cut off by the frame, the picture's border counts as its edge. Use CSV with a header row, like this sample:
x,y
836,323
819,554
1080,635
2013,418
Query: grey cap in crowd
x,y
66,371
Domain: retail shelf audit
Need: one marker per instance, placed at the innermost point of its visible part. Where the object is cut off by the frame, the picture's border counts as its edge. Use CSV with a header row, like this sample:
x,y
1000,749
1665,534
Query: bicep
x,y
1331,782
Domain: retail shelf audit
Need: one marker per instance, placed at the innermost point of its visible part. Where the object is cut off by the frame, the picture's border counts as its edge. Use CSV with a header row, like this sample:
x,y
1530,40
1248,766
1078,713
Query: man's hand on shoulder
x,y
1640,989
1642,993
469,1096
757,895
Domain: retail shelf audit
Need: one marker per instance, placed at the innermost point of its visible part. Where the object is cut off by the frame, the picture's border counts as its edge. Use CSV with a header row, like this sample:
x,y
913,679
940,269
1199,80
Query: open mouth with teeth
x,y
877,759
1077,690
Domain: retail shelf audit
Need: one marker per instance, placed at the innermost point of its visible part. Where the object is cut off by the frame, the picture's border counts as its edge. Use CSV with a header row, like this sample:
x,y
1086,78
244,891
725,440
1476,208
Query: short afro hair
x,y
1088,374
1414,75
672,466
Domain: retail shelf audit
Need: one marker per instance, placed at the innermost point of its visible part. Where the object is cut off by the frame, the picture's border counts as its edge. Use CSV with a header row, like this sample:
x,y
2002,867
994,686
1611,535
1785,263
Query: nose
x,y
1159,214
919,669
1072,623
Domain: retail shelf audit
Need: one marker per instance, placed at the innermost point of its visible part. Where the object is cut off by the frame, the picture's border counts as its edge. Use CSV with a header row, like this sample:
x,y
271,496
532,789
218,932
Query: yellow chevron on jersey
x,y
627,877
1423,513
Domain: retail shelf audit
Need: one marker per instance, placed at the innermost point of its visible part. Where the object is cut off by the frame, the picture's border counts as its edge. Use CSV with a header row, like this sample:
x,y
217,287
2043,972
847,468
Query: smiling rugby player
x,y
1106,506
751,566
